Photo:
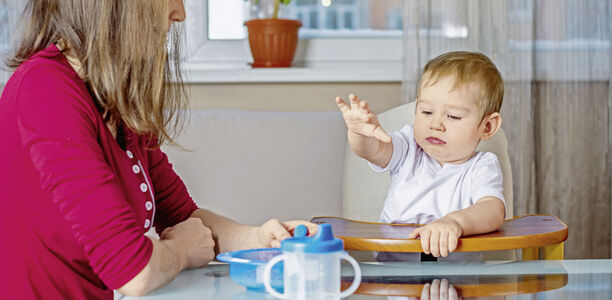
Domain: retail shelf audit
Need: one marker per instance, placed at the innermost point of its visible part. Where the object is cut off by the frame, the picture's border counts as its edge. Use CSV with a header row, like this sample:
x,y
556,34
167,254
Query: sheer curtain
x,y
555,58
10,13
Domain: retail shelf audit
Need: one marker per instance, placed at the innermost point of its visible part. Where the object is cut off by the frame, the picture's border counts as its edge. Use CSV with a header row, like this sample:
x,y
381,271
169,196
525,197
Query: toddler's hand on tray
x,y
439,237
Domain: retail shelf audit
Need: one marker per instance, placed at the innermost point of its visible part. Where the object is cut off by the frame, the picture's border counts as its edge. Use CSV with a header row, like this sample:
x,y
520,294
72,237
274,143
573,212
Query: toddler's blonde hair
x,y
468,67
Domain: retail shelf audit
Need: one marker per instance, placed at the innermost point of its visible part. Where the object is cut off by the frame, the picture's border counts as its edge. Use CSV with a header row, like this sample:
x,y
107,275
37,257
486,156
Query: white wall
x,y
291,96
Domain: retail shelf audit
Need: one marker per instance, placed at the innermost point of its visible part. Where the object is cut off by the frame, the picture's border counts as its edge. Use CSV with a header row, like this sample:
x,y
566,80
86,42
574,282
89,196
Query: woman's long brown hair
x,y
127,62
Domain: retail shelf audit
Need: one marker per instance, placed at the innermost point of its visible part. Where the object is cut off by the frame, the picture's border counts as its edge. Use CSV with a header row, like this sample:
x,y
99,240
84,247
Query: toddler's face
x,y
448,122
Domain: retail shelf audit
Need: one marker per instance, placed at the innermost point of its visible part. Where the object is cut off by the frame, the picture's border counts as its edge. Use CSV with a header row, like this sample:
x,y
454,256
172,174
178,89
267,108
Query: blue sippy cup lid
x,y
322,242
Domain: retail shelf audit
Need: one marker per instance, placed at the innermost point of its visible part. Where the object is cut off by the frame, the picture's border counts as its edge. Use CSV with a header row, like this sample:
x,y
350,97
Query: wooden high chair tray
x,y
498,285
530,231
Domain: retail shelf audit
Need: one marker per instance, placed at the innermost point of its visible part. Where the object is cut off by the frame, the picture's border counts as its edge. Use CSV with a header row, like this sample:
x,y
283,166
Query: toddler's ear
x,y
490,125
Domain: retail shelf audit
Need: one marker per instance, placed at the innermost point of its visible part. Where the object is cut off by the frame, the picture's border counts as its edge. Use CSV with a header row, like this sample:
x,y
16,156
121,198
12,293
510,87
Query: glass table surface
x,y
541,279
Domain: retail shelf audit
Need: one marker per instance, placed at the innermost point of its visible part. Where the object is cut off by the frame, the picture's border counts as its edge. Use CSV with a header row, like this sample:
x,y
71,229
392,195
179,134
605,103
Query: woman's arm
x,y
172,200
230,235
187,245
164,265
190,244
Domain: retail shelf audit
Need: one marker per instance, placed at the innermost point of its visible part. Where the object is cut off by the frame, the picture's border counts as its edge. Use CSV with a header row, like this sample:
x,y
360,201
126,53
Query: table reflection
x,y
544,280
453,287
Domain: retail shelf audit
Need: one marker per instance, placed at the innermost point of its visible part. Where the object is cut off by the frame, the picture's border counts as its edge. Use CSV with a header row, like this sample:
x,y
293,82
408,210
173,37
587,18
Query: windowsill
x,y
357,72
331,72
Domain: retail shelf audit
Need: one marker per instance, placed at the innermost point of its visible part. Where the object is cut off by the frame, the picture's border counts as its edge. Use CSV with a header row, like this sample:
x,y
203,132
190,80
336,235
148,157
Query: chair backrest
x,y
364,191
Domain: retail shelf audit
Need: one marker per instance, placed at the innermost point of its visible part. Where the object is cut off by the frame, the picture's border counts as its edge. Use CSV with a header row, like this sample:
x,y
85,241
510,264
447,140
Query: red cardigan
x,y
74,205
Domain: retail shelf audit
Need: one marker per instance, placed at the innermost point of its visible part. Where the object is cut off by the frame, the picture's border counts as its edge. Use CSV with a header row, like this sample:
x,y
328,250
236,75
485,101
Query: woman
x,y
82,176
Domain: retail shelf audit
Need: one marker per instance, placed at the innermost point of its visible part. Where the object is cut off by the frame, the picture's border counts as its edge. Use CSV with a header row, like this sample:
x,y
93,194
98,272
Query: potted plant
x,y
272,39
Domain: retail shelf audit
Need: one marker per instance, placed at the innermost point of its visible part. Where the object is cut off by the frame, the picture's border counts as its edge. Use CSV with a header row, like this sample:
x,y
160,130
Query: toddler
x,y
438,177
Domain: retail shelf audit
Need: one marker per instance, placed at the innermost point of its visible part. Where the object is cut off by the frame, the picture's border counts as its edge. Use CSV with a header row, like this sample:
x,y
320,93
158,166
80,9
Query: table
x,y
549,279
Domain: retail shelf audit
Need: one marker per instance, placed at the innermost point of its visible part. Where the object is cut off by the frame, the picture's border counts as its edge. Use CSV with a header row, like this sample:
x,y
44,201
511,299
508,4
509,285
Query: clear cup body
x,y
312,275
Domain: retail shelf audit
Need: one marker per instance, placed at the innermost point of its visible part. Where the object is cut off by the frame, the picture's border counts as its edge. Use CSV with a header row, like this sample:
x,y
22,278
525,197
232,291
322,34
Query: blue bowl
x,y
247,267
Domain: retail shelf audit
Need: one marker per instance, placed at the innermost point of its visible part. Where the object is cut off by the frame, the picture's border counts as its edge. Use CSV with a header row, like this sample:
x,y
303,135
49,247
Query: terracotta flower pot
x,y
272,41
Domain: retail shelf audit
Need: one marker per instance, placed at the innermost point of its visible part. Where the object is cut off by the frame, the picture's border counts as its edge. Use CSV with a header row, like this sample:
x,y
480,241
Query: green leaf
x,y
286,1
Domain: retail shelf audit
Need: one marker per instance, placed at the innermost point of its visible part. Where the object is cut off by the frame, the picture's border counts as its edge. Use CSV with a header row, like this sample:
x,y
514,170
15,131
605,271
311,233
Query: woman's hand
x,y
271,233
439,237
192,241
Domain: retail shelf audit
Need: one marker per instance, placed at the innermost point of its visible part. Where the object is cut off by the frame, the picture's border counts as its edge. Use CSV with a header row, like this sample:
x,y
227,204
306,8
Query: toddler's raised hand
x,y
439,237
360,120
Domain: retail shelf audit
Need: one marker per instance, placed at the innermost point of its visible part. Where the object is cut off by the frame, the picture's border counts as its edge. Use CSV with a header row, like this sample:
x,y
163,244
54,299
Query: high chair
x,y
364,192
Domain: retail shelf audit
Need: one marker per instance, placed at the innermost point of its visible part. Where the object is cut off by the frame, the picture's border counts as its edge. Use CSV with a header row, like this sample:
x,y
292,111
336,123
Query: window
x,y
361,38
340,40
320,18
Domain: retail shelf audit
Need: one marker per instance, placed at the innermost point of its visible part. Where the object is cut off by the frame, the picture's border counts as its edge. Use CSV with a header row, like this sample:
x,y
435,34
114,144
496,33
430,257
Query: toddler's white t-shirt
x,y
422,191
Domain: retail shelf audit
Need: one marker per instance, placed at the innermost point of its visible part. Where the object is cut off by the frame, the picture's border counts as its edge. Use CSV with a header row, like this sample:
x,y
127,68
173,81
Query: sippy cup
x,y
312,266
